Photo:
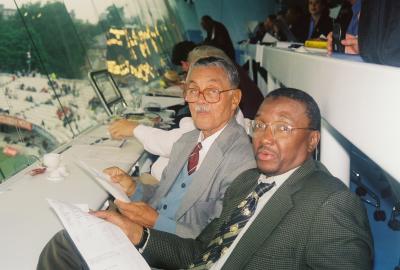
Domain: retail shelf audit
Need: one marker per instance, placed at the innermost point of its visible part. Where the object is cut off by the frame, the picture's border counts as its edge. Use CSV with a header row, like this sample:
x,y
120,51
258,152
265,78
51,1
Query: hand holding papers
x,y
103,245
105,181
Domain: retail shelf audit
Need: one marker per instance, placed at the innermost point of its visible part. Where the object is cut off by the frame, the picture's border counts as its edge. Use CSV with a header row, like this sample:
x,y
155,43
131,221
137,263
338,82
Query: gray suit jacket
x,y
311,222
230,154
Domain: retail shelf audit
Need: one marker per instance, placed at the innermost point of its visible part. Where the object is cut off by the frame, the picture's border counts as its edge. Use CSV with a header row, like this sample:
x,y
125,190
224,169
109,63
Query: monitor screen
x,y
106,87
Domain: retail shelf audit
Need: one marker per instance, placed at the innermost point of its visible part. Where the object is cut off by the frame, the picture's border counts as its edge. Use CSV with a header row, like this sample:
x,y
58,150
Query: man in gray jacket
x,y
203,162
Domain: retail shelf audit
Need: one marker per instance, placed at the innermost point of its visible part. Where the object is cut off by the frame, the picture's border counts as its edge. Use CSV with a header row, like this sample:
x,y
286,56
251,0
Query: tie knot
x,y
261,188
198,147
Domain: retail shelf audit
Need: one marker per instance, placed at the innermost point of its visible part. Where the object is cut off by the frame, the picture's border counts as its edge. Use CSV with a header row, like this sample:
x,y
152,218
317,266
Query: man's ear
x,y
313,140
185,66
236,97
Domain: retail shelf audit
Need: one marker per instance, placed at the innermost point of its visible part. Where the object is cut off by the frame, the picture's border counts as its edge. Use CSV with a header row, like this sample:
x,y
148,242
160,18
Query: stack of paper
x,y
102,244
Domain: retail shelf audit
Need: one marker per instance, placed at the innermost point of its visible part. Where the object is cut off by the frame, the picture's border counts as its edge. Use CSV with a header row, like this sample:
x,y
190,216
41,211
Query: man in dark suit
x,y
290,213
217,36
318,20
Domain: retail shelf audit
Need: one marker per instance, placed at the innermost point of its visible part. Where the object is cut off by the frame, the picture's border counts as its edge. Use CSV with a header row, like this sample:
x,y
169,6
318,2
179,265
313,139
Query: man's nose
x,y
268,135
201,98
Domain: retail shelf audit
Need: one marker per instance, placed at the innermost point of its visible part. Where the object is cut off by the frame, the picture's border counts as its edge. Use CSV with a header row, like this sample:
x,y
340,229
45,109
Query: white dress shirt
x,y
206,144
262,201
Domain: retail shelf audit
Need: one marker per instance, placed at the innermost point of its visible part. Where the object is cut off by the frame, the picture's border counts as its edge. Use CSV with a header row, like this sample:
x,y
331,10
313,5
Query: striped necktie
x,y
194,159
228,231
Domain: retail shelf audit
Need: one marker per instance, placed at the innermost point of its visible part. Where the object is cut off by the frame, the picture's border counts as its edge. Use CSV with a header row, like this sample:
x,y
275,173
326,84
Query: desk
x,y
27,222
163,101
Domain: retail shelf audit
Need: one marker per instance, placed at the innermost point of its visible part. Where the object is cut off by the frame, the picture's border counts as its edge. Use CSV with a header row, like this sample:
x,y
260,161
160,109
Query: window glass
x,y
47,49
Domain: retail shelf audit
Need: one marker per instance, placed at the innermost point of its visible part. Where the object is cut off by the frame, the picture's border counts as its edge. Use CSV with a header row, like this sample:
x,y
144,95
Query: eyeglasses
x,y
211,95
278,129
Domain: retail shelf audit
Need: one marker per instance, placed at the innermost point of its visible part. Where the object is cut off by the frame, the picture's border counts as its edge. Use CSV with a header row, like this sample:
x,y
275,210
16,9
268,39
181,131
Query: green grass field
x,y
11,165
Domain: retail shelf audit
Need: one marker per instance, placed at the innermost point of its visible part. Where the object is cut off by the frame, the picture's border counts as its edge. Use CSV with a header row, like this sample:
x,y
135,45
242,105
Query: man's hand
x,y
117,175
350,44
121,129
139,212
132,230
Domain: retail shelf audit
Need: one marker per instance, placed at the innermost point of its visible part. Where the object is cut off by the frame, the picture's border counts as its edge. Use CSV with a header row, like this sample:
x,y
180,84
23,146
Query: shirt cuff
x,y
165,224
141,249
138,195
141,131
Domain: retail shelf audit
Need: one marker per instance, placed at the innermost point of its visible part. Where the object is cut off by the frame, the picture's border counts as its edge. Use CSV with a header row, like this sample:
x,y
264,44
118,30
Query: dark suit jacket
x,y
311,222
251,94
221,39
323,27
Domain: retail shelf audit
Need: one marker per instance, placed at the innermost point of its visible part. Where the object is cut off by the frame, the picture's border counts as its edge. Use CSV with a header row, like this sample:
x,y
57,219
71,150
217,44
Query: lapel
x,y
205,175
181,150
269,217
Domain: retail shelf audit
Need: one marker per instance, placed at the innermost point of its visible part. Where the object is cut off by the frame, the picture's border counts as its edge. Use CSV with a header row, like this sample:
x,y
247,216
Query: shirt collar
x,y
207,142
278,179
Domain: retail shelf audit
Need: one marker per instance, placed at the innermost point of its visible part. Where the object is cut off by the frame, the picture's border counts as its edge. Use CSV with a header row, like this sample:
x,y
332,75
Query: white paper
x,y
110,155
102,244
104,180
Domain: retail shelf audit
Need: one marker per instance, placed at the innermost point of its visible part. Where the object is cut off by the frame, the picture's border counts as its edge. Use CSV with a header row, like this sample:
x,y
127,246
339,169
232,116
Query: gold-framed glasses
x,y
278,129
211,95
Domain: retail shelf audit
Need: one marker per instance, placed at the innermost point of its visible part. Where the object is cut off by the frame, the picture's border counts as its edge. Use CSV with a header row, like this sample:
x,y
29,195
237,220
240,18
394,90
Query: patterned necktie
x,y
228,231
194,159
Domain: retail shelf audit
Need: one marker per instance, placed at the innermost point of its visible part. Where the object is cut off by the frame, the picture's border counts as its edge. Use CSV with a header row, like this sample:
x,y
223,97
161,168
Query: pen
x,y
99,140
122,143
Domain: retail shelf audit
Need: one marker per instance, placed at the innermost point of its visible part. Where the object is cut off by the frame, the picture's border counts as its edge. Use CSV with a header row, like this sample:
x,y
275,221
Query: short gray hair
x,y
227,65
204,51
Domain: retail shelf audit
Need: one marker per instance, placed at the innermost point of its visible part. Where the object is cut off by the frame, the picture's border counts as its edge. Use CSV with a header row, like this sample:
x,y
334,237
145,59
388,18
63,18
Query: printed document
x,y
103,245
104,180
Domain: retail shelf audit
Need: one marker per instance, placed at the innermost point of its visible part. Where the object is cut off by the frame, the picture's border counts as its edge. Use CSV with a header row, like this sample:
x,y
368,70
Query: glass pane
x,y
47,49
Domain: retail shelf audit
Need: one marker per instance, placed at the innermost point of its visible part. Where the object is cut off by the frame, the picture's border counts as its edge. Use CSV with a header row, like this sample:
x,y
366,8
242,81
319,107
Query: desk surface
x,y
27,222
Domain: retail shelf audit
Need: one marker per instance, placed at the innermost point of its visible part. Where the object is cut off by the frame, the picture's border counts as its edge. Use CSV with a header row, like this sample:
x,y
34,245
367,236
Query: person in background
x,y
319,21
257,34
269,24
297,23
218,36
180,53
263,28
351,40
291,25
352,29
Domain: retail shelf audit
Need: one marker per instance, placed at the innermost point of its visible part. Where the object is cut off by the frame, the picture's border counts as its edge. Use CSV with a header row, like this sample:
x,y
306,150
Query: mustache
x,y
264,148
202,108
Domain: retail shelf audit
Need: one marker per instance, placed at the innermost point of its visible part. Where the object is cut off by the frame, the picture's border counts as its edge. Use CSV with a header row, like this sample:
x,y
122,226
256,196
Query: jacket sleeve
x,y
340,237
169,251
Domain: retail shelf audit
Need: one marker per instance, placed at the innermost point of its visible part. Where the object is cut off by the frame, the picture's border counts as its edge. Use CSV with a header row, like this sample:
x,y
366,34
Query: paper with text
x,y
104,180
102,244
